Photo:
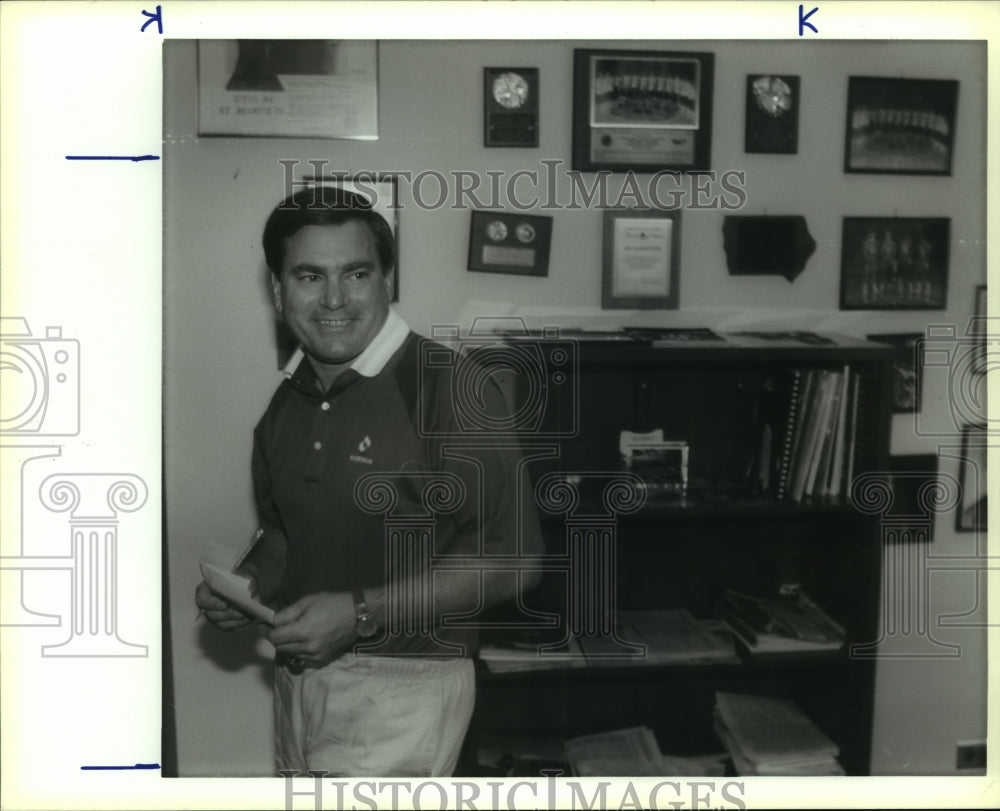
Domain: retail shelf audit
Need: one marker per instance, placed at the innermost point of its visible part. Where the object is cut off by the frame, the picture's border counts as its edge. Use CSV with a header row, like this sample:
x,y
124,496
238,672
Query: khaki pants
x,y
374,716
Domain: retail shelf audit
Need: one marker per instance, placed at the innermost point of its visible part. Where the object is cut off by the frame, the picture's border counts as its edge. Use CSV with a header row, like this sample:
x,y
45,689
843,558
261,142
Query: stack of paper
x,y
513,657
669,636
634,752
769,736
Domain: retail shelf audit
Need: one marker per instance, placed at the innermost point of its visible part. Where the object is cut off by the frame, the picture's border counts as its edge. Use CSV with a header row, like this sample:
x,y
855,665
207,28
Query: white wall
x,y
220,365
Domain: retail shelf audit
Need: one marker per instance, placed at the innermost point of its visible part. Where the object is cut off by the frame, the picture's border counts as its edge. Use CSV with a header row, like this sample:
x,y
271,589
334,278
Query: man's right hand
x,y
220,613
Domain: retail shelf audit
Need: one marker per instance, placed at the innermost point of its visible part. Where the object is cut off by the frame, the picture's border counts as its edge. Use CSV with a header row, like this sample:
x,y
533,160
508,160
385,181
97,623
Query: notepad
x,y
236,589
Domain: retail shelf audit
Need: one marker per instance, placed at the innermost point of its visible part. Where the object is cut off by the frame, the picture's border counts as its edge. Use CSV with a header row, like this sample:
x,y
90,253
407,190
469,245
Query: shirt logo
x,y
363,446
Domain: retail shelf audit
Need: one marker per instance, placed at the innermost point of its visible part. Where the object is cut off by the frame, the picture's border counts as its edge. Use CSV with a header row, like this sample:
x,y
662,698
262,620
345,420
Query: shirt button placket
x,y
320,427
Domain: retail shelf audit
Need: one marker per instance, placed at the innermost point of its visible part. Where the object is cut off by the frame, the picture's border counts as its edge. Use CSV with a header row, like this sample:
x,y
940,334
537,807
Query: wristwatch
x,y
367,626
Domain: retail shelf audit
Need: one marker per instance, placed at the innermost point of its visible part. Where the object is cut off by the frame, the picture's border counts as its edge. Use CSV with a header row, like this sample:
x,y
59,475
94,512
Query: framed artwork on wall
x,y
971,515
772,115
894,263
510,243
641,267
510,107
642,110
900,126
912,477
289,88
906,380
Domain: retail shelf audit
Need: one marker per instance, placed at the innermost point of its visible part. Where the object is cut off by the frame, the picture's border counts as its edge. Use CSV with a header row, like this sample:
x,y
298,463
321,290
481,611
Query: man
x,y
352,407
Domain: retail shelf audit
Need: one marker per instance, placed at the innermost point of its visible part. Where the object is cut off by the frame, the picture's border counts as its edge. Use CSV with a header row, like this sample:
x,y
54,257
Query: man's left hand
x,y
315,629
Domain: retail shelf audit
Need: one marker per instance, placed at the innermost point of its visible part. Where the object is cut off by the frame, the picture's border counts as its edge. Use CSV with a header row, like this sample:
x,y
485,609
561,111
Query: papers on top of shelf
x,y
671,636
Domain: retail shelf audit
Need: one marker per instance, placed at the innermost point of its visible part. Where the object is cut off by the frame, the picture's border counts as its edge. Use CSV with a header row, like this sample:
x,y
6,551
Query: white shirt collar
x,y
375,356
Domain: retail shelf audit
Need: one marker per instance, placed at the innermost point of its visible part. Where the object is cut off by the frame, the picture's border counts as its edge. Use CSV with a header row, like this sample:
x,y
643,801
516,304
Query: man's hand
x,y
315,629
219,612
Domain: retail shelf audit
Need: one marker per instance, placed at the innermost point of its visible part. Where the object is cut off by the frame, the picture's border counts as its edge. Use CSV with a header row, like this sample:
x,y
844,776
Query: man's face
x,y
332,293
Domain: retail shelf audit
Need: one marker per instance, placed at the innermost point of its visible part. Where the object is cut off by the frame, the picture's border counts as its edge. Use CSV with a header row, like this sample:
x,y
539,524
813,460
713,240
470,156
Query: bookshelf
x,y
728,530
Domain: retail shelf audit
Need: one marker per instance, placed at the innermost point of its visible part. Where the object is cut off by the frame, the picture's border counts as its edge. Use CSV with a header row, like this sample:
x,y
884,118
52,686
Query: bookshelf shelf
x,y
737,406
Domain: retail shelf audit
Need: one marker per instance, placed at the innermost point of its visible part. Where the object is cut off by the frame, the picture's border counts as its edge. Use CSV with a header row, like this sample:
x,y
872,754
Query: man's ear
x,y
389,278
276,292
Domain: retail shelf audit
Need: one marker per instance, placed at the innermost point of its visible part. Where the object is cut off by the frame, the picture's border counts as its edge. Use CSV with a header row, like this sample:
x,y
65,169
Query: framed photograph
x,y
297,88
642,110
900,126
979,327
905,371
772,115
910,475
971,516
661,464
642,249
510,243
510,106
894,263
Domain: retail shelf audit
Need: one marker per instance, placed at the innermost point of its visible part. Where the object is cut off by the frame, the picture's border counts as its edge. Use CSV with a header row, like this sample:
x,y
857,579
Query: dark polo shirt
x,y
312,447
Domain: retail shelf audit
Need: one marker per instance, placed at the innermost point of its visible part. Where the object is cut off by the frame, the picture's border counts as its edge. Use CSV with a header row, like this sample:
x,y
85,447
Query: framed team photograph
x,y
894,263
905,370
642,249
900,126
642,110
772,115
971,515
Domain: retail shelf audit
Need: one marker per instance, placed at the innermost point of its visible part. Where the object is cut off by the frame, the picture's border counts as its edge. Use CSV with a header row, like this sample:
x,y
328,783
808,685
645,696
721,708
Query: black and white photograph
x,y
644,110
900,126
482,413
905,370
429,433
288,88
971,515
772,116
895,263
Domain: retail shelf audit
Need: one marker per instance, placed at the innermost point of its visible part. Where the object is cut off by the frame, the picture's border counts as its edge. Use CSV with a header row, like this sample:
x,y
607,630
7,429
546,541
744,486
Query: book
x,y
670,636
631,752
810,434
766,735
782,625
818,472
783,454
836,474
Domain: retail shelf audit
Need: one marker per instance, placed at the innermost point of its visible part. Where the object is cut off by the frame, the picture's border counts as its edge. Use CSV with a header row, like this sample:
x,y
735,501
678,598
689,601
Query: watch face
x,y
496,230
367,626
510,90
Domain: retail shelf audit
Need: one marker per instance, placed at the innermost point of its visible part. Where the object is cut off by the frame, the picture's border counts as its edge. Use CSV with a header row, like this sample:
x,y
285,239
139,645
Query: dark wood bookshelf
x,y
684,552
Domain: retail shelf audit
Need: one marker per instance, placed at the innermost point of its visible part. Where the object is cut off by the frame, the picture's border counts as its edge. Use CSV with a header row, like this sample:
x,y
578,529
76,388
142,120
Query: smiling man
x,y
349,408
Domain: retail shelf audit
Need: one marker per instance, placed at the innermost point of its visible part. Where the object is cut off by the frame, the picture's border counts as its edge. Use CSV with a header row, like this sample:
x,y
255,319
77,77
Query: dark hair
x,y
324,205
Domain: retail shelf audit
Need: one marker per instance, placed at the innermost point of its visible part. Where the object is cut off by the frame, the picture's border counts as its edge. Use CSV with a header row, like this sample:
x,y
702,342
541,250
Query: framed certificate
x,y
641,259
288,88
642,110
